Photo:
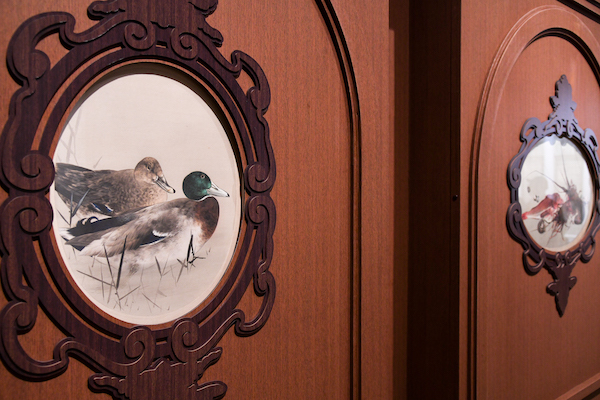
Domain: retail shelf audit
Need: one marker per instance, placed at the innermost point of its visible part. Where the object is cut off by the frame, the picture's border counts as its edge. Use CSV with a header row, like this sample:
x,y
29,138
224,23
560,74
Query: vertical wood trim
x,y
455,199
349,78
434,182
399,29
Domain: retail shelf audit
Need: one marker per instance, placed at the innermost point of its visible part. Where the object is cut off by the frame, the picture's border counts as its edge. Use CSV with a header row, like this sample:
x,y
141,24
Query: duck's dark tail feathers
x,y
70,180
89,229
73,184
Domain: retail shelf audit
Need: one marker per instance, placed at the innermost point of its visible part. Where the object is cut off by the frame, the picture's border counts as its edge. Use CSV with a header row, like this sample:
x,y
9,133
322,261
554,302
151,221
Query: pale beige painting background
x,y
118,124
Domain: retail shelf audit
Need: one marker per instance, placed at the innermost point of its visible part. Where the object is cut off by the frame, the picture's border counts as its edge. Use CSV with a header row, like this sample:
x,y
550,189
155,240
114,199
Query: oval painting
x,y
556,194
147,197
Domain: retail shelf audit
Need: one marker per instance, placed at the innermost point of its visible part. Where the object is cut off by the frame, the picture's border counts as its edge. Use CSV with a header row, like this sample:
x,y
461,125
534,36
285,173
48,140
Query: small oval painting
x,y
147,197
556,194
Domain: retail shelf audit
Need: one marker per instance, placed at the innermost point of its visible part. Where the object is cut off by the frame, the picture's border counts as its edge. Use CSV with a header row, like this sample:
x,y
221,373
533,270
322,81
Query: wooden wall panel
x,y
522,348
310,336
306,348
532,334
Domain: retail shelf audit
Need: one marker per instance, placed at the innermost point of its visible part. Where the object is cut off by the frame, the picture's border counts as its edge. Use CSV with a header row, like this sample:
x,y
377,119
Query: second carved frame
x,y
554,191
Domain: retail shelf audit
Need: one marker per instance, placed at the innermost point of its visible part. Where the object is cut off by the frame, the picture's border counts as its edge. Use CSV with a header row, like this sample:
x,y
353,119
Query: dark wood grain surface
x,y
308,347
522,347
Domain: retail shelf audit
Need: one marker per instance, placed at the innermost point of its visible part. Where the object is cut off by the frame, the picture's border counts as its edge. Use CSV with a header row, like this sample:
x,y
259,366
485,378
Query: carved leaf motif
x,y
168,380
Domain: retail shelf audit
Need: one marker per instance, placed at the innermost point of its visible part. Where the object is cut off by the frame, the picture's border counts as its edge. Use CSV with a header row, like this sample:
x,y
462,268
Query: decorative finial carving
x,y
562,103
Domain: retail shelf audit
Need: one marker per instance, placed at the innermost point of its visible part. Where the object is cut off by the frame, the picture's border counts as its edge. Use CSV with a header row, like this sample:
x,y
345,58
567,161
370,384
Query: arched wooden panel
x,y
312,347
522,348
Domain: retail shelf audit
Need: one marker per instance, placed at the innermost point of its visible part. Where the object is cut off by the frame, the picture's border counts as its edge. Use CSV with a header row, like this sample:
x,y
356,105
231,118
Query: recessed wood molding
x,y
589,8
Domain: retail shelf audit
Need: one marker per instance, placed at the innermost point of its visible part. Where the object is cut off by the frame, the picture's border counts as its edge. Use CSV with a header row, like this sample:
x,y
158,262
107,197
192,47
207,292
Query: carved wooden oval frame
x,y
562,124
127,358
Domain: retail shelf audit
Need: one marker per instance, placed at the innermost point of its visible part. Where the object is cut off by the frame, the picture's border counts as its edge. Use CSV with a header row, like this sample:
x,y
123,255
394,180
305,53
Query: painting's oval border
x,y
195,86
97,71
527,202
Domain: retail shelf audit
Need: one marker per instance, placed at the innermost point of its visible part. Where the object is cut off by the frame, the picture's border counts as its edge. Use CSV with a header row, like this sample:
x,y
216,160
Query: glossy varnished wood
x,y
476,323
311,344
519,345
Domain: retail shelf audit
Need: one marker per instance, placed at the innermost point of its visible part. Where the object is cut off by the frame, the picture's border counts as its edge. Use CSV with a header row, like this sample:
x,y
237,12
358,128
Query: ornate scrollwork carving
x,y
127,360
558,210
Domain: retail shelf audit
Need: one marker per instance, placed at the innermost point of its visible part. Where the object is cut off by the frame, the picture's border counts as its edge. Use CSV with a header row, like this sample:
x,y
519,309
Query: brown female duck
x,y
108,192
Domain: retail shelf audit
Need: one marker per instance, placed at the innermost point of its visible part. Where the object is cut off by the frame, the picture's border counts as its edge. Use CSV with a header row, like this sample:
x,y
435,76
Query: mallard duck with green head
x,y
168,228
